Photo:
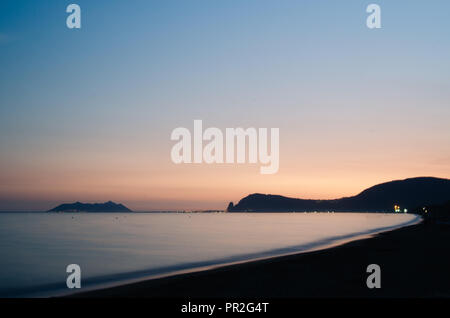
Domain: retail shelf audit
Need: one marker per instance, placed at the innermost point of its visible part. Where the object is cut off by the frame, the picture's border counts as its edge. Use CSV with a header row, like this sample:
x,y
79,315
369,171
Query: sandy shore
x,y
414,261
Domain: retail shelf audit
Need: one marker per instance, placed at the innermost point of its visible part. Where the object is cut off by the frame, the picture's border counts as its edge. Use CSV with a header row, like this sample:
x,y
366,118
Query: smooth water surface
x,y
35,248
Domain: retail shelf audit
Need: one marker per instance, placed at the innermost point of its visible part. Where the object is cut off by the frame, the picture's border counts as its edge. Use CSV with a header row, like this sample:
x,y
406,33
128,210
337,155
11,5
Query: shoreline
x,y
247,276
119,279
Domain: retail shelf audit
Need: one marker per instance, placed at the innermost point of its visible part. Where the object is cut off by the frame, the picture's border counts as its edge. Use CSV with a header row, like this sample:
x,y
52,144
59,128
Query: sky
x,y
86,114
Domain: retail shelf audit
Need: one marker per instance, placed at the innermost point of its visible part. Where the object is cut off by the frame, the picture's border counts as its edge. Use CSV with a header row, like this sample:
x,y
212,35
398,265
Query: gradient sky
x,y
87,114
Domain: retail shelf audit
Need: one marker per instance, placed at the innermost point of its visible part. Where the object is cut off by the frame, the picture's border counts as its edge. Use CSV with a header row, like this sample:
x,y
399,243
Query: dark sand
x,y
415,262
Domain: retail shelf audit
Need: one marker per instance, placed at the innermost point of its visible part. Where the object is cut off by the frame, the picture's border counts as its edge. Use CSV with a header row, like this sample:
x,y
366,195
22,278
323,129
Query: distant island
x,y
91,207
405,195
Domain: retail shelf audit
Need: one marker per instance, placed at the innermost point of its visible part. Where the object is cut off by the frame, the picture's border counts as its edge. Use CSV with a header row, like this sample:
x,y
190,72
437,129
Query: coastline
x,y
334,271
119,277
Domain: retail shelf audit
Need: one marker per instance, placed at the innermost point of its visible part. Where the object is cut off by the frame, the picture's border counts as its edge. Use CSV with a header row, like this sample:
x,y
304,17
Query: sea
x,y
118,248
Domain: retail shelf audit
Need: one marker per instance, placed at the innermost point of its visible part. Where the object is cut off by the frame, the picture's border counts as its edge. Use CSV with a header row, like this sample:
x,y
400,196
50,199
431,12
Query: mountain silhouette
x,y
90,207
408,194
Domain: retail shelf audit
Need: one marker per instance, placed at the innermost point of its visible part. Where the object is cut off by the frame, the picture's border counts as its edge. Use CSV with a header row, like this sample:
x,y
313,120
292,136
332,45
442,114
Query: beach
x,y
114,249
414,262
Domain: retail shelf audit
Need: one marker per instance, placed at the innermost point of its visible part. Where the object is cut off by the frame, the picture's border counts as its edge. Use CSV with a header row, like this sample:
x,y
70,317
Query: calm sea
x,y
113,248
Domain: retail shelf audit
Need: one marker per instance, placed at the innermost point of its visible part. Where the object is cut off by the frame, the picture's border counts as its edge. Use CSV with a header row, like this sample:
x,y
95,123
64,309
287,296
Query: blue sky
x,y
87,114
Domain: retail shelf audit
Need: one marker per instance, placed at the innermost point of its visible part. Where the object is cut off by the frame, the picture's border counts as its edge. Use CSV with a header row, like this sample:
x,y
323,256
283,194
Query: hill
x,y
90,207
408,194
